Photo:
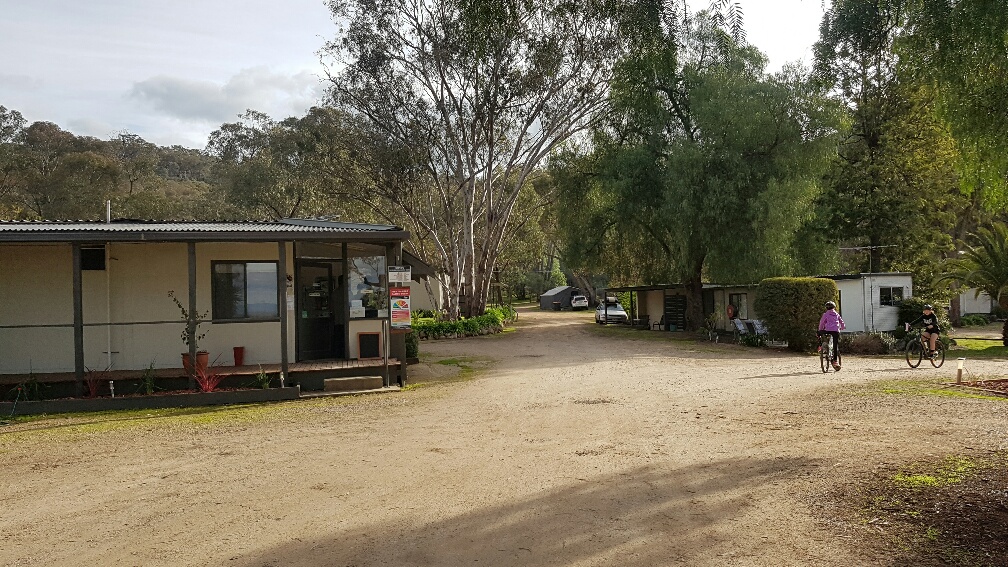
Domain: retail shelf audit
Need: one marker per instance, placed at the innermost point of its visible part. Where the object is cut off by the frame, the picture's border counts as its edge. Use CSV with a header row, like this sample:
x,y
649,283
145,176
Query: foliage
x,y
147,380
412,344
93,380
556,277
190,335
30,389
461,102
492,321
262,379
973,321
984,263
706,169
753,340
791,308
867,343
207,377
896,163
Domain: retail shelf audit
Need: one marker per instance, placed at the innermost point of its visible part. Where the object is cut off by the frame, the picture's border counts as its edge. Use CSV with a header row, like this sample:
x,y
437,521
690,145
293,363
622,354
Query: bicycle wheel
x,y
939,357
914,353
824,362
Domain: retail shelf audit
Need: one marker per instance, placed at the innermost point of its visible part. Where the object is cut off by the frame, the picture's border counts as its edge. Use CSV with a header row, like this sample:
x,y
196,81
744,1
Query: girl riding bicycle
x,y
831,323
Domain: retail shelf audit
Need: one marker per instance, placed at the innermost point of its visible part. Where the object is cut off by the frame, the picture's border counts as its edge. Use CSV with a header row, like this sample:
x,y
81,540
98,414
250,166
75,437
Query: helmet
x,y
830,305
928,307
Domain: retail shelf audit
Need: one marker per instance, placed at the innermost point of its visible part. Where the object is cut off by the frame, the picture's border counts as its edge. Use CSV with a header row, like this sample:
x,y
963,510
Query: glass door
x,y
316,313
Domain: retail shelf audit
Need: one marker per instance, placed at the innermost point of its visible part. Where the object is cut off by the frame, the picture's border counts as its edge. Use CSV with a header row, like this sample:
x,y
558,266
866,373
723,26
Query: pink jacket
x,y
831,321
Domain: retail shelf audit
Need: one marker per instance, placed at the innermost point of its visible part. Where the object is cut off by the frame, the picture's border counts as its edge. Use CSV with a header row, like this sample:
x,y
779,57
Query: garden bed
x,y
173,399
995,387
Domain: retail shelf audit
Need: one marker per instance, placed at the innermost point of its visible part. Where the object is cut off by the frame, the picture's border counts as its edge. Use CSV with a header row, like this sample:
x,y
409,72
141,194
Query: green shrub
x,y
791,308
412,345
753,340
492,321
867,343
973,321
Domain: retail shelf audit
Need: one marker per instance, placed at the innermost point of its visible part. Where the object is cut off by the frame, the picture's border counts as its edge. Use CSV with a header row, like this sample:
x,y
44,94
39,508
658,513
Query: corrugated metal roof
x,y
124,229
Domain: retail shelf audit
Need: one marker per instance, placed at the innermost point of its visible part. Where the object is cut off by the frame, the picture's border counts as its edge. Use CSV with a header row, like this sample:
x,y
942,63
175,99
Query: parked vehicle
x,y
607,312
579,302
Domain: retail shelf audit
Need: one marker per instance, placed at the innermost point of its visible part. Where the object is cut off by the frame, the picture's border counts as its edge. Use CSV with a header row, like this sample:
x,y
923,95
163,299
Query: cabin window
x,y
244,290
890,295
93,258
740,302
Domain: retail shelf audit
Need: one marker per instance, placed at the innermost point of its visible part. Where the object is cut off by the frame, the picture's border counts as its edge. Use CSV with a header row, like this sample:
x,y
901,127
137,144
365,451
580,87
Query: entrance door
x,y
317,312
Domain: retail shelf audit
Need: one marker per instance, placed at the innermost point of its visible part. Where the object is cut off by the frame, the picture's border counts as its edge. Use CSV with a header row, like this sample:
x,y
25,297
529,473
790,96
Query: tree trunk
x,y
694,298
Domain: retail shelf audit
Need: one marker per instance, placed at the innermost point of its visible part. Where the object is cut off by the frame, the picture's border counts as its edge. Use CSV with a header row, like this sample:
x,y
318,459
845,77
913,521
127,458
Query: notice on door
x,y
400,307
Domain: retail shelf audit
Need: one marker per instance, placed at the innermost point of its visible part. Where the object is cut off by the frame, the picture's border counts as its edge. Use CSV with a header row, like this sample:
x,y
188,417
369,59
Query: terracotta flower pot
x,y
202,361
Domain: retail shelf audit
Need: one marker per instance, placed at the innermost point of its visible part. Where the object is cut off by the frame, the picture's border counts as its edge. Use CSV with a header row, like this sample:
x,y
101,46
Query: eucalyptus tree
x,y
892,188
706,168
473,96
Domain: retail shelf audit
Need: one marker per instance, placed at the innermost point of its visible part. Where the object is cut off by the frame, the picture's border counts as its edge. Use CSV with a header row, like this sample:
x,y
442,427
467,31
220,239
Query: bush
x,y
412,345
973,321
867,343
791,308
491,321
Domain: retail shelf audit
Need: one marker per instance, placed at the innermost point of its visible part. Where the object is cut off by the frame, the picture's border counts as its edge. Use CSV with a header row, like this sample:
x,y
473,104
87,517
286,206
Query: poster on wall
x,y
400,307
399,274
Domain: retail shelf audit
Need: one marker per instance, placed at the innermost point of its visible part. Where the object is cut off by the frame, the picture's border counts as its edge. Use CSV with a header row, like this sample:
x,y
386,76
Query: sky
x,y
173,72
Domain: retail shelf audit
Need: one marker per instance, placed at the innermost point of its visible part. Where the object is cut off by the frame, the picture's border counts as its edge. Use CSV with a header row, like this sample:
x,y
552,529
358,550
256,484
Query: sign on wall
x,y
399,274
400,297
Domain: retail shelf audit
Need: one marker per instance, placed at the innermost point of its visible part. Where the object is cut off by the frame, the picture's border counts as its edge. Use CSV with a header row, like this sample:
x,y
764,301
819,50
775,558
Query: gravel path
x,y
580,445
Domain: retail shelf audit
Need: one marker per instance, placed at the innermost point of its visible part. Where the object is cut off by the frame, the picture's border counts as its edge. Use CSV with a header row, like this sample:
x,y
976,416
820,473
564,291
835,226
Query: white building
x,y
870,302
975,302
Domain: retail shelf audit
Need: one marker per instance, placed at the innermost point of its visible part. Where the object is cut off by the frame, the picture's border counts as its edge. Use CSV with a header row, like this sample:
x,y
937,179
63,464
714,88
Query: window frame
x,y
892,302
743,307
246,319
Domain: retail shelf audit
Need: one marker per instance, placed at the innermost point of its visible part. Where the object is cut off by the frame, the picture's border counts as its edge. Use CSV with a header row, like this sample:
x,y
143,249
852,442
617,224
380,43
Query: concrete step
x,y
354,384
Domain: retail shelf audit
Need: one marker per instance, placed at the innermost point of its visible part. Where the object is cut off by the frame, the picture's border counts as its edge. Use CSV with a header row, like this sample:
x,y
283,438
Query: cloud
x,y
259,88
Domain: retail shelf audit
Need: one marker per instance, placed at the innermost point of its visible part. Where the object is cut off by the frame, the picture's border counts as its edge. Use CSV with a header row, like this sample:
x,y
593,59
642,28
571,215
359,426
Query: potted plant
x,y
191,336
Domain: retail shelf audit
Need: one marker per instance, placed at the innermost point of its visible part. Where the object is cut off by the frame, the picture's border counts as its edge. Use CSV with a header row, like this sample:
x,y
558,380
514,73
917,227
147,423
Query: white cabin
x,y
870,302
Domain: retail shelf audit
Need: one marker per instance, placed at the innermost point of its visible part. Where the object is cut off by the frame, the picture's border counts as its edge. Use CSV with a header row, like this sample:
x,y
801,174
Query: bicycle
x,y
916,347
826,354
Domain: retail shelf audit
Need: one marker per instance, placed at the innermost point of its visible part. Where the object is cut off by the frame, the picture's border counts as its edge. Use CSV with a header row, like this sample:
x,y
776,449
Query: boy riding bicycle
x,y
831,323
929,319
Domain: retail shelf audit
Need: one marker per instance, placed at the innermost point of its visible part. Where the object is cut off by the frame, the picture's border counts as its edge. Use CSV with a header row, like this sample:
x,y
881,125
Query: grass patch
x,y
972,348
919,388
953,511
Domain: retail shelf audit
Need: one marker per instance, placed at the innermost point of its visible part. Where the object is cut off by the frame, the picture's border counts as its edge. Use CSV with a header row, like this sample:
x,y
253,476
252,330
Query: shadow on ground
x,y
650,515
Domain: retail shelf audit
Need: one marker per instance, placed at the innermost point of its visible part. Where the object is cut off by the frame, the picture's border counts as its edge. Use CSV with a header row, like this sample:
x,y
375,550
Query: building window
x,y
245,290
92,258
890,295
740,303
368,293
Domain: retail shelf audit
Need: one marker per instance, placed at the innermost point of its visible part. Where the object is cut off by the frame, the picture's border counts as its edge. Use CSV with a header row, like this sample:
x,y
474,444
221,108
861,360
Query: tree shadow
x,y
649,515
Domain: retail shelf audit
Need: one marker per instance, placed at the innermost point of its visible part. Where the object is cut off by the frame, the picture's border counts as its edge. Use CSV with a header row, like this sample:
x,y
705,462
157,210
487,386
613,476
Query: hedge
x,y
791,308
492,321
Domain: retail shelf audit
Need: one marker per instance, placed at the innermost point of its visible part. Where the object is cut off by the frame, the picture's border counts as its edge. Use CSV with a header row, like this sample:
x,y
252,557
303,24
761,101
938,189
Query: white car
x,y
610,313
579,302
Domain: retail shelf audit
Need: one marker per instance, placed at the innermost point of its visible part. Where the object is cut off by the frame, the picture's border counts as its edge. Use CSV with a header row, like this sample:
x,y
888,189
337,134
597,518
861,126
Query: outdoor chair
x,y
740,329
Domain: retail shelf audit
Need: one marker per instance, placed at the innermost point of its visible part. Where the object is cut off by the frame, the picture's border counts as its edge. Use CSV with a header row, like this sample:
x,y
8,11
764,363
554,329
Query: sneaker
x,y
836,367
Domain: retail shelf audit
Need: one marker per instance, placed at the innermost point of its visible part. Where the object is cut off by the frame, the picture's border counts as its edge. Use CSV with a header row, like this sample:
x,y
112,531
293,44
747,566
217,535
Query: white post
x,y
959,369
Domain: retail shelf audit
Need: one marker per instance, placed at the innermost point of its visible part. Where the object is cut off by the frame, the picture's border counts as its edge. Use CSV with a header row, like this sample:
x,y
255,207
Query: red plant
x,y
207,378
93,380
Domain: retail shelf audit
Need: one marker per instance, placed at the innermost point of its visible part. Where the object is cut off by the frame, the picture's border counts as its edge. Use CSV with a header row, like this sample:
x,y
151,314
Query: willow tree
x,y
705,169
474,96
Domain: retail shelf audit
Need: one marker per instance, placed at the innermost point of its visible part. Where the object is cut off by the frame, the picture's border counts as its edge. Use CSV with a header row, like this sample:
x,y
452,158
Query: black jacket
x,y
930,322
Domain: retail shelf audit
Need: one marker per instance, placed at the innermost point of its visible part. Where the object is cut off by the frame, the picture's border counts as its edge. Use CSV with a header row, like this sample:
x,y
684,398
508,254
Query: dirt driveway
x,y
578,446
